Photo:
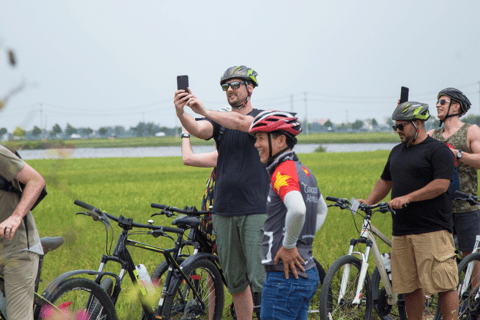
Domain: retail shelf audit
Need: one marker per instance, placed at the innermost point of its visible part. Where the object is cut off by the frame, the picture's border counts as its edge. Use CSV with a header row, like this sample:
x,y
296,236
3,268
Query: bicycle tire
x,y
107,285
330,291
382,308
73,296
158,277
469,306
182,304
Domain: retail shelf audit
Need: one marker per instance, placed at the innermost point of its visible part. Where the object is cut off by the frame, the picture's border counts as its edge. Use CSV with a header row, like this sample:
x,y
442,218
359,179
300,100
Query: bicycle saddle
x,y
186,221
51,243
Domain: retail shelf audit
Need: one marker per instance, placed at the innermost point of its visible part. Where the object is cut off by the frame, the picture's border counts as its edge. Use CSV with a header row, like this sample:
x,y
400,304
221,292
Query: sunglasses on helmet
x,y
400,126
235,85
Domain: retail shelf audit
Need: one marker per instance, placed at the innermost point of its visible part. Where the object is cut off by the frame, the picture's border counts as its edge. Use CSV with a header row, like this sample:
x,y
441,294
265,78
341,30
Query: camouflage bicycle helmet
x,y
411,111
240,72
457,96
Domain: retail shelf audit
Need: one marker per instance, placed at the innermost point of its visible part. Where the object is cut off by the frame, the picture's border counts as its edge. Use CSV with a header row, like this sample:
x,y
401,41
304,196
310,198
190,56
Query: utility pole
x,y
306,115
41,120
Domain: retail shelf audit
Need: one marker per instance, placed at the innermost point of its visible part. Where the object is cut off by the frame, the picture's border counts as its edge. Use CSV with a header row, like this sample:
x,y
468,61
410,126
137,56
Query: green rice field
x,y
127,186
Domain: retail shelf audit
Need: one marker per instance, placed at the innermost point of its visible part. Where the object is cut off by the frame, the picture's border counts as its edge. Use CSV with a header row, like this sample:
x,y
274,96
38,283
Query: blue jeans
x,y
288,299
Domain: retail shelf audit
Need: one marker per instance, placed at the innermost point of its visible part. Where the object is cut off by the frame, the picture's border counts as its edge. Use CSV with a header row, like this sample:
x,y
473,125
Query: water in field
x,y
142,152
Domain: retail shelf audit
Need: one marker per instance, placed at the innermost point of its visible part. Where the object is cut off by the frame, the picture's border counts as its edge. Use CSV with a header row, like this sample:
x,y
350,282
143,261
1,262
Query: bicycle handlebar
x,y
463,196
189,211
343,203
125,222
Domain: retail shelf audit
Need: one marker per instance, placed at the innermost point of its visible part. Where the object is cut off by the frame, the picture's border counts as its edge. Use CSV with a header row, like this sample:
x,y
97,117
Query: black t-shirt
x,y
410,169
242,180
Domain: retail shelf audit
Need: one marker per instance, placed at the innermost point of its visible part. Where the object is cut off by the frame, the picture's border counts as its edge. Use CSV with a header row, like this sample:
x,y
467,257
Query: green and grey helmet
x,y
411,111
240,72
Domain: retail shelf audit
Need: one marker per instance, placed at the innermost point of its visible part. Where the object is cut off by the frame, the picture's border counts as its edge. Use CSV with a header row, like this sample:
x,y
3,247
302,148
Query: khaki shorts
x,y
424,261
239,248
20,271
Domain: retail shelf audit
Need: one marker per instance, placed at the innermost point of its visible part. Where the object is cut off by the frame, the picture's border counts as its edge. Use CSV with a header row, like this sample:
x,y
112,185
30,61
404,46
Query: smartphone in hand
x,y
404,95
182,83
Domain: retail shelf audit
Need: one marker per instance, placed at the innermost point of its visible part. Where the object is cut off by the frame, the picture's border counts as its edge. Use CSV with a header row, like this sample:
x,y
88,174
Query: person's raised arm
x,y
473,138
200,129
231,120
205,160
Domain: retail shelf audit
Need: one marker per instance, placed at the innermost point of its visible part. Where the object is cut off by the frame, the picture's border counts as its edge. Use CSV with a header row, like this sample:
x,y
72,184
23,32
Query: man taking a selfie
x,y
239,209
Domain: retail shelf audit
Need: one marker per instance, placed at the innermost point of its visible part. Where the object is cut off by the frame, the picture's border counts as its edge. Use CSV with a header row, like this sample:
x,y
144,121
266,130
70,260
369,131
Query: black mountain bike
x,y
197,246
185,289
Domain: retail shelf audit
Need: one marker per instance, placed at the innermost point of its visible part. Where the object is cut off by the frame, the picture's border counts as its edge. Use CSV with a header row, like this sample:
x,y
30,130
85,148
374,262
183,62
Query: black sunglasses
x,y
399,126
444,102
235,85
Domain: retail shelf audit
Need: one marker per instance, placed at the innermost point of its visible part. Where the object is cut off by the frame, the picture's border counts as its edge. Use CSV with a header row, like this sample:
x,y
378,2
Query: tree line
x,y
150,129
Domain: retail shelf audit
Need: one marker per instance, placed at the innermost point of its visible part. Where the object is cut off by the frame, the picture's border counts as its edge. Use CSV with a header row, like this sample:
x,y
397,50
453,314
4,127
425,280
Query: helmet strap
x,y
417,130
271,157
240,106
449,115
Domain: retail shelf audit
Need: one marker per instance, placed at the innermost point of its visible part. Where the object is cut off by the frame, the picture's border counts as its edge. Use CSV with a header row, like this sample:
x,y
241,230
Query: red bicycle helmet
x,y
271,121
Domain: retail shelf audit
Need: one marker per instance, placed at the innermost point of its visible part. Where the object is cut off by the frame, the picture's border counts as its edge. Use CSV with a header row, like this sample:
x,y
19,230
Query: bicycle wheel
x,y
207,282
79,297
159,275
468,288
380,301
107,285
341,306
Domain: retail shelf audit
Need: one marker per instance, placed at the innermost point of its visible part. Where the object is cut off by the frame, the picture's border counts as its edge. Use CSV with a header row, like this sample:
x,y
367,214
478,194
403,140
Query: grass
x,y
127,186
318,138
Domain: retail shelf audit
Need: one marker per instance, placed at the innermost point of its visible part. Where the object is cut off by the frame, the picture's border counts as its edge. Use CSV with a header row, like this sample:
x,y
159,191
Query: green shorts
x,y
239,247
20,271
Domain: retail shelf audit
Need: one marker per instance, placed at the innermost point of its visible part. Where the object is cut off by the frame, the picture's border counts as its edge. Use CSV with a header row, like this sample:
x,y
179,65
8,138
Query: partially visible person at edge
x,y
19,239
418,172
203,160
464,142
241,187
296,210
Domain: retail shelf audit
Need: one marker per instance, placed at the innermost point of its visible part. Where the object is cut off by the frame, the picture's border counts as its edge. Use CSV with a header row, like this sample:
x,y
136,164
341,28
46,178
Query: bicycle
x,y
203,248
184,291
469,282
347,293
76,296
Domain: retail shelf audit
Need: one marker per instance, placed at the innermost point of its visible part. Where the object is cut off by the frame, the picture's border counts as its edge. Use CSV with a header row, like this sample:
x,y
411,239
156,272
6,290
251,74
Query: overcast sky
x,y
107,63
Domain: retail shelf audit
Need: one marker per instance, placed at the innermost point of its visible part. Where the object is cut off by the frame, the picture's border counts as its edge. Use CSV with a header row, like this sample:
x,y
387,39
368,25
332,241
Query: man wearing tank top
x,y
464,142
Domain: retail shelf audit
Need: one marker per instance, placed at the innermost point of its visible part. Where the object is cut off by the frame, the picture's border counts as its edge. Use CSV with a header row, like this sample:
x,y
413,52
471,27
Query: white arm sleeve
x,y
322,210
295,218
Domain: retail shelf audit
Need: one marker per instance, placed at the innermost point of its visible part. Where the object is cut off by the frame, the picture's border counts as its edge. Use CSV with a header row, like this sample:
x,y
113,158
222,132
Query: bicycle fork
x,y
363,271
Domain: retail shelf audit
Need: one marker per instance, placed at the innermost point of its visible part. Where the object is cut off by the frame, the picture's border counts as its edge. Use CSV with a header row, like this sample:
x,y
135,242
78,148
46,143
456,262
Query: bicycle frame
x,y
468,273
122,256
367,236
